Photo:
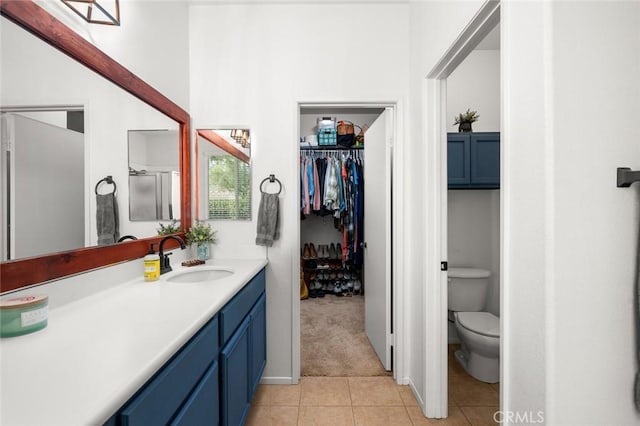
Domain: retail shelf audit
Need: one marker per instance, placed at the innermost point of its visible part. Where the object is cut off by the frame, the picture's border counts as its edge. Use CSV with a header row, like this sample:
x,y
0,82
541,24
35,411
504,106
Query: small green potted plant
x,y
464,120
202,235
171,228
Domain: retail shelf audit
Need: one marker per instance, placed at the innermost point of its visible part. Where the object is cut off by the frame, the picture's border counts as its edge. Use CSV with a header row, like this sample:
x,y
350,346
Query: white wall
x,y
474,234
475,85
474,215
109,113
250,65
595,225
570,234
434,26
151,41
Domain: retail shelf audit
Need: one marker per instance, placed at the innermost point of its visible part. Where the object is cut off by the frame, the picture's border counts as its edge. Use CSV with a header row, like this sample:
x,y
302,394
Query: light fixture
x,y
241,136
106,12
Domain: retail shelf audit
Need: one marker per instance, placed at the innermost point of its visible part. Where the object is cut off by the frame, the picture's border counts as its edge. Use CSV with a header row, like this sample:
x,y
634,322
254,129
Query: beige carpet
x,y
333,341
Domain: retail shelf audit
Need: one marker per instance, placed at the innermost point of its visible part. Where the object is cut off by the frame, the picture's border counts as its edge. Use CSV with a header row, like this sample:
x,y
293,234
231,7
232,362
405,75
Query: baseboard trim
x,y
416,394
277,381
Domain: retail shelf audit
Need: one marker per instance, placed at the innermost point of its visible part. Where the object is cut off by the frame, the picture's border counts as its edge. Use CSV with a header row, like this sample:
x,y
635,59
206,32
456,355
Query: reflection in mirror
x,y
114,100
42,216
48,212
154,175
224,173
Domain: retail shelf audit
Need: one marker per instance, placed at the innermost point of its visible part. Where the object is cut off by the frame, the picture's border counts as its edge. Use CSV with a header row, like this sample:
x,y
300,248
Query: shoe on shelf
x,y
332,252
337,289
339,251
312,251
305,252
357,286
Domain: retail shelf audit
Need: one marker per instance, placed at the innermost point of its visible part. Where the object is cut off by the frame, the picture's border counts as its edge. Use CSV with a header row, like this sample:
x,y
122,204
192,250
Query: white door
x,y
377,236
43,216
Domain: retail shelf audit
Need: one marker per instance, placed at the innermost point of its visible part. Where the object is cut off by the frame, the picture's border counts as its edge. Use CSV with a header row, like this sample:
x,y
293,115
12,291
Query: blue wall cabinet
x,y
203,384
473,160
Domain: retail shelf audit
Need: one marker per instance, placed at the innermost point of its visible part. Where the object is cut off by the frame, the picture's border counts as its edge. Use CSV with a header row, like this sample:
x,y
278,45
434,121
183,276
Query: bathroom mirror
x,y
154,175
224,173
116,102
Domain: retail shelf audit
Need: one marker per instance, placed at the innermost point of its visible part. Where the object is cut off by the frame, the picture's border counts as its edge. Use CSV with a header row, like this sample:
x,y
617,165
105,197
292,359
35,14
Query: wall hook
x,y
626,177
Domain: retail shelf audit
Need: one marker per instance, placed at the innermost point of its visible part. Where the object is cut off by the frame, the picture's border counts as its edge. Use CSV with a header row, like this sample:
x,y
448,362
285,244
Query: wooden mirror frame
x,y
15,274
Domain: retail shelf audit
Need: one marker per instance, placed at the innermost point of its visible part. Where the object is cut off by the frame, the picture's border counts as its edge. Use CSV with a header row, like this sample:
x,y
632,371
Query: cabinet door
x,y
235,380
485,160
162,396
458,152
202,407
258,348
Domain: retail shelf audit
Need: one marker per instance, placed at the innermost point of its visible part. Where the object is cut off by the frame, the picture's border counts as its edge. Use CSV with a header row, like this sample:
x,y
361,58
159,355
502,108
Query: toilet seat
x,y
483,323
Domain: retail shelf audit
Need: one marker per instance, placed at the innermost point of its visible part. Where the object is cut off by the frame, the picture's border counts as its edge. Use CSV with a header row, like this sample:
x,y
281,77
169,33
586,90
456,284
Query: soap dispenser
x,y
151,265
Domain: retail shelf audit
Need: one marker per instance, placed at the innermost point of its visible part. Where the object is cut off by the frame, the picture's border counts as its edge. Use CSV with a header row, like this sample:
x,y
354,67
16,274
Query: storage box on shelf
x,y
327,137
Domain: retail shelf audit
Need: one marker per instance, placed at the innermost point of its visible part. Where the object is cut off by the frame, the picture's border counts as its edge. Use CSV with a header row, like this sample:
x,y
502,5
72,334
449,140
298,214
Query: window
x,y
229,195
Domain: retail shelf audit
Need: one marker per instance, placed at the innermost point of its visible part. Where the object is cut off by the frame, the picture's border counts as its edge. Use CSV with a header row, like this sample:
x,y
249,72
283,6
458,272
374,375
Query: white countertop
x,y
96,352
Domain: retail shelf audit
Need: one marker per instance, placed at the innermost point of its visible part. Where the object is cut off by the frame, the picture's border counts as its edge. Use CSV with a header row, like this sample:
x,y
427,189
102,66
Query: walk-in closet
x,y
344,214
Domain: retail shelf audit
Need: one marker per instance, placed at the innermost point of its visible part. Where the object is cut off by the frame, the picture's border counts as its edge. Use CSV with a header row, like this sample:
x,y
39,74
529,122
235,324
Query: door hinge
x,y
391,339
444,266
7,146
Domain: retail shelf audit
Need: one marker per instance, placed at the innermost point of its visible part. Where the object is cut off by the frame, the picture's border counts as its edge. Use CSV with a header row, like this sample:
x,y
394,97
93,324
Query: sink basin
x,y
202,274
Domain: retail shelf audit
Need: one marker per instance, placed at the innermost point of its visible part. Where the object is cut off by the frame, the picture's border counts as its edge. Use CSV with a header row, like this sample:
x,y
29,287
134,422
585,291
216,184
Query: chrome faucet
x,y
165,264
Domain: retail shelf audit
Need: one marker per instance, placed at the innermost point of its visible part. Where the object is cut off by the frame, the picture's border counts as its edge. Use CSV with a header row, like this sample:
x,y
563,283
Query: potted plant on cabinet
x,y
170,228
202,236
464,120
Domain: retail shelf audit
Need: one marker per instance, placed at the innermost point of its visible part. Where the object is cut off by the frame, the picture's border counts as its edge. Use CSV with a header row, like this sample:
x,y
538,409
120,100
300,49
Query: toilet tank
x,y
467,289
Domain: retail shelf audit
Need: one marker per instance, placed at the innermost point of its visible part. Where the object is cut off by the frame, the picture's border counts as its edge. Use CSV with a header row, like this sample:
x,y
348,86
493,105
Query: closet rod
x,y
329,147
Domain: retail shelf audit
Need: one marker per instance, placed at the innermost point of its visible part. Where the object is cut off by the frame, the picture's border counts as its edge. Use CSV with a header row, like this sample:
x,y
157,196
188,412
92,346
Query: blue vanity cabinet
x,y
203,406
235,360
212,379
243,356
473,160
258,330
178,389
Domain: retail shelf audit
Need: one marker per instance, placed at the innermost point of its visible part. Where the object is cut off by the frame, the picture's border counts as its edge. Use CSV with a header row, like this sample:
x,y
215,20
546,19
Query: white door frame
x,y
435,295
397,227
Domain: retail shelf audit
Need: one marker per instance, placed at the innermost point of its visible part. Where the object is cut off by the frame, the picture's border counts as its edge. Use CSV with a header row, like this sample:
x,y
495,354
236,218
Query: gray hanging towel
x,y
107,218
268,221
637,315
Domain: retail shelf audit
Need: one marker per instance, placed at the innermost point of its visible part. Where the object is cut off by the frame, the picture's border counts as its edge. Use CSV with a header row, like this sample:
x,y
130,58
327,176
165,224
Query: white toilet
x,y
479,331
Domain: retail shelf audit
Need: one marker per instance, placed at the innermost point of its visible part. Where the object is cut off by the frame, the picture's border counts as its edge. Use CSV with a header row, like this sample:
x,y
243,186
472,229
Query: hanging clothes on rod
x,y
332,184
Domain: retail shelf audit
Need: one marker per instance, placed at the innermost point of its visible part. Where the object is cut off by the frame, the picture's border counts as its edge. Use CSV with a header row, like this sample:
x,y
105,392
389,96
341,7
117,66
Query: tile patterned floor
x,y
370,401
